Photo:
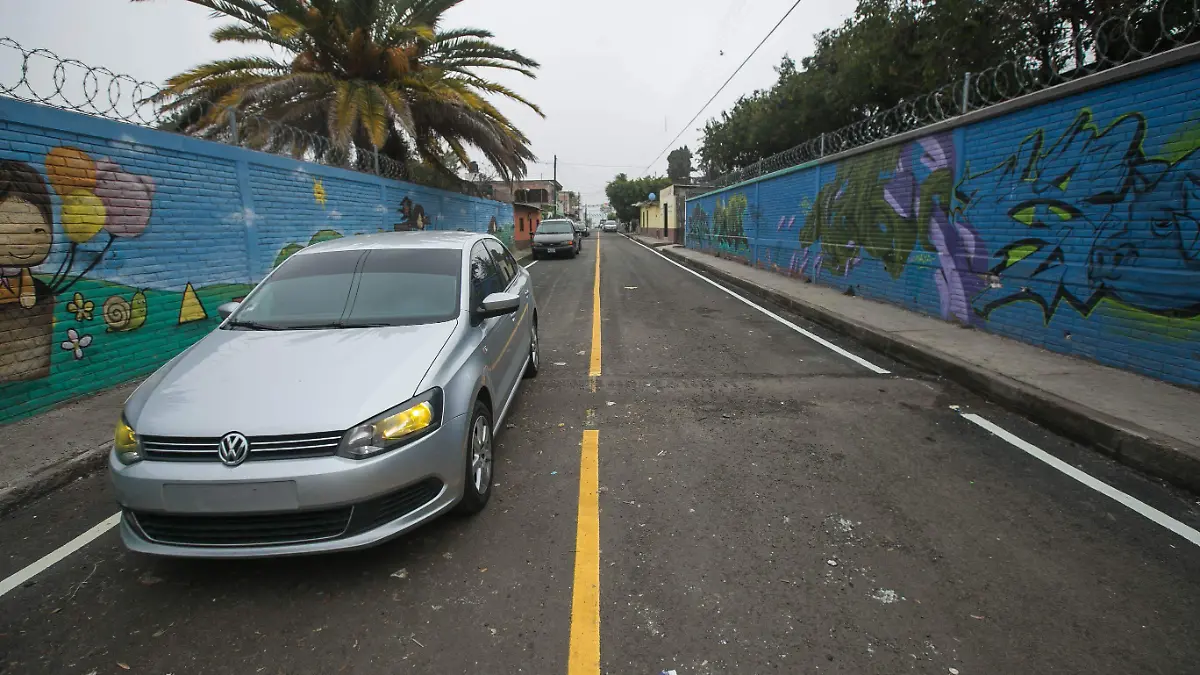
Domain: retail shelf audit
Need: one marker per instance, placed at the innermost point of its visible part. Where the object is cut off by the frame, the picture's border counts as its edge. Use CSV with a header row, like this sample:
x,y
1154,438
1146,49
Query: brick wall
x,y
1071,225
117,243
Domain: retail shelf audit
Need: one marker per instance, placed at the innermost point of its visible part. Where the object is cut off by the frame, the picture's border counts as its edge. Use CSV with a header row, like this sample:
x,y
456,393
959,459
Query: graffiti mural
x,y
413,215
1100,219
889,204
97,201
726,228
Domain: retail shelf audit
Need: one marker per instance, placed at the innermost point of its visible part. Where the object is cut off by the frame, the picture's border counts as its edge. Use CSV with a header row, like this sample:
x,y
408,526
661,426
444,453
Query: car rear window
x,y
346,289
555,227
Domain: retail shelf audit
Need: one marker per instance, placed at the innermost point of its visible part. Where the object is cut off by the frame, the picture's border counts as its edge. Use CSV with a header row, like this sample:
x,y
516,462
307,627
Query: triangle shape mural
x,y
191,309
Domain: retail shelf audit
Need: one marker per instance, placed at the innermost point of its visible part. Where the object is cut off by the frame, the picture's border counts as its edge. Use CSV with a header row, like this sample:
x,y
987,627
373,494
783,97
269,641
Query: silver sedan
x,y
349,398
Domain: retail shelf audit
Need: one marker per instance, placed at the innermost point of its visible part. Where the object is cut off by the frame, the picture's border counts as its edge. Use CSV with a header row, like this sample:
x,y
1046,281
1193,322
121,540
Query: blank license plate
x,y
230,497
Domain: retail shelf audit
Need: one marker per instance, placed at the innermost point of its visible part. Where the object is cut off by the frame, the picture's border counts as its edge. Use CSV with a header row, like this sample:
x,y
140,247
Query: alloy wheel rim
x,y
481,454
534,355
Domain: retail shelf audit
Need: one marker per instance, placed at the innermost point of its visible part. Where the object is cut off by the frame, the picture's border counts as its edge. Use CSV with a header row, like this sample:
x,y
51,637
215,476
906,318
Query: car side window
x,y
507,266
485,275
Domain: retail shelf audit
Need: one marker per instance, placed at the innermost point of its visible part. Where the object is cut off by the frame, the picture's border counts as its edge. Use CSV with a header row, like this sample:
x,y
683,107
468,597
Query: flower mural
x,y
76,343
81,307
889,203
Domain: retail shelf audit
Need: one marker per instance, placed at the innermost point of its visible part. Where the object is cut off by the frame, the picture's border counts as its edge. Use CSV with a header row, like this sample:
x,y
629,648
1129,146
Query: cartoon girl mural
x,y
26,303
94,197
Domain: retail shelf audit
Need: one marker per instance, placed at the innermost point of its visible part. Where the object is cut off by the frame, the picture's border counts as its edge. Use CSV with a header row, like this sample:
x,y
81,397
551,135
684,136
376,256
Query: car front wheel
x,y
535,355
479,464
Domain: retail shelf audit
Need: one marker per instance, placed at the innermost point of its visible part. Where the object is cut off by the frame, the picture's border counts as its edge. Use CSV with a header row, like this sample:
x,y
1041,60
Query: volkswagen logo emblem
x,y
233,448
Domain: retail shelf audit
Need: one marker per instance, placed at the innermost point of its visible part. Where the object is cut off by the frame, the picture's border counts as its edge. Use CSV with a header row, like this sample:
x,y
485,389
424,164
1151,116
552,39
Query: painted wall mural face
x,y
1103,220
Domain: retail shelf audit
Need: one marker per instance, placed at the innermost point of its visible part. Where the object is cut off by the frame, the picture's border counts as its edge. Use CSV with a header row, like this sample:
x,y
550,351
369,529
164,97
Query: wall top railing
x,y
1088,51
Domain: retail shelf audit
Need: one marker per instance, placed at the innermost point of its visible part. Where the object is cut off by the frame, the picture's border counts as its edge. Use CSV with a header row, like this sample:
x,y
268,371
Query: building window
x,y
522,224
520,196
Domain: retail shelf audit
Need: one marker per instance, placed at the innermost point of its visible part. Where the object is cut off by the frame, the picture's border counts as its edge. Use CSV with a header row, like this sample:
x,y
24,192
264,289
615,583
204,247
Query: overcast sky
x,y
619,78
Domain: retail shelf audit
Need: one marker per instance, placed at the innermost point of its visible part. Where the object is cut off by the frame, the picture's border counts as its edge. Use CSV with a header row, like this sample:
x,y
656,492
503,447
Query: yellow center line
x,y
594,369
584,655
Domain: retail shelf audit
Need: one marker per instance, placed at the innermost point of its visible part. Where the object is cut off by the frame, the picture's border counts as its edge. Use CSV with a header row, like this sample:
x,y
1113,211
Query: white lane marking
x,y
58,554
815,338
1103,488
531,264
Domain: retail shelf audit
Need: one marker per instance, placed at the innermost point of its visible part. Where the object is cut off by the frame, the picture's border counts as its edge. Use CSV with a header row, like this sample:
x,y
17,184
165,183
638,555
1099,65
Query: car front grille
x,y
273,529
191,449
245,530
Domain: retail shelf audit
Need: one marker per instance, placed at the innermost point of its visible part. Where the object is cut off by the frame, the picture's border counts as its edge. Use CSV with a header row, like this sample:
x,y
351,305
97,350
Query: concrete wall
x,y
117,243
1072,224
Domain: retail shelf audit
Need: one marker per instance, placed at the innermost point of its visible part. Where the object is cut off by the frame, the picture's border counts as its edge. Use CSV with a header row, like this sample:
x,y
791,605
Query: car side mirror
x,y
226,309
498,304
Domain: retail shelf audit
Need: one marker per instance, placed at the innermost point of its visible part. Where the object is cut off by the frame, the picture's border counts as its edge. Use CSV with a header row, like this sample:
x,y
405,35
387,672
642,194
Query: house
x,y
669,221
542,194
525,221
650,217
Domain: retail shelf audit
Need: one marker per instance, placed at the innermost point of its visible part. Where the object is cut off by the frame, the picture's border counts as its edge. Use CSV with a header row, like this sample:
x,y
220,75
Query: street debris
x,y
122,666
401,573
560,363
553,473
954,671
634,288
885,596
414,639
831,562
610,403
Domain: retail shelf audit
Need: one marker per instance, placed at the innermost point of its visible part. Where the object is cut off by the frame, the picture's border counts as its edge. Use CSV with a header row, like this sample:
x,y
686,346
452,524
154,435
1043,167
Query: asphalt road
x,y
765,505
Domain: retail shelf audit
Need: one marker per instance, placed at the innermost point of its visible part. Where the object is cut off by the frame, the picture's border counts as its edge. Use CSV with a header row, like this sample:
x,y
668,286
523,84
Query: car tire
x,y
535,353
476,492
534,256
574,253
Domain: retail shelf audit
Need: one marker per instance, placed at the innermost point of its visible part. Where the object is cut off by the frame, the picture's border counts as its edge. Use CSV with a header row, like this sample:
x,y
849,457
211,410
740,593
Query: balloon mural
x,y
98,202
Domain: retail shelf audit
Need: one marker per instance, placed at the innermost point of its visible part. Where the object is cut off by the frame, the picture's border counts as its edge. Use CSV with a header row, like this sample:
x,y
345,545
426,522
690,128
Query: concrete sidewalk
x,y
1145,423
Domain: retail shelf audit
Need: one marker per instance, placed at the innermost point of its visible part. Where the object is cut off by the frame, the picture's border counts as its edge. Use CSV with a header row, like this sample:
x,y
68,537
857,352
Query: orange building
x,y
526,217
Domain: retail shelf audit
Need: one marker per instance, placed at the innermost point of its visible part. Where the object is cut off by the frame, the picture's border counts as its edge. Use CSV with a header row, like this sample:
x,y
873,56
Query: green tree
x,y
373,73
679,164
892,50
624,193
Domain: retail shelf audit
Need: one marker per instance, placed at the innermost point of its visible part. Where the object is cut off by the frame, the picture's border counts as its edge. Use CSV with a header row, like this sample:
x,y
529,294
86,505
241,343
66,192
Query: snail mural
x,y
121,315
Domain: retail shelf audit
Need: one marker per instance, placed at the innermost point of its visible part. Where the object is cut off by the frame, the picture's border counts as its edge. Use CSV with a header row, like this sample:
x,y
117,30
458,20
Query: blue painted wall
x,y
117,243
1073,225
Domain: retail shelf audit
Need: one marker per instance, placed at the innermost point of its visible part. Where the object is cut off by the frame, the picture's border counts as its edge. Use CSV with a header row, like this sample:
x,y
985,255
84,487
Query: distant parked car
x,y
556,237
352,396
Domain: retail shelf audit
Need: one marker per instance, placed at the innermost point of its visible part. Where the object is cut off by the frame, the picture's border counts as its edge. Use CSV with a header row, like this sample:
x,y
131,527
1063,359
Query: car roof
x,y
440,239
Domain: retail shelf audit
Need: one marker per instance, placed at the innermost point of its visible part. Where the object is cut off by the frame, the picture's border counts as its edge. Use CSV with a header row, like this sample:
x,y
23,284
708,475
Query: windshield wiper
x,y
252,325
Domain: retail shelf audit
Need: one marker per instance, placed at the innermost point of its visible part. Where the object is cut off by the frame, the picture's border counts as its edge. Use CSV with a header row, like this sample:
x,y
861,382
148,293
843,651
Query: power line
x,y
599,166
718,93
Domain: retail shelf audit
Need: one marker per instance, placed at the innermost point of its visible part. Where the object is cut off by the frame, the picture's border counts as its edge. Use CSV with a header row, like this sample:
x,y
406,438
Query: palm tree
x,y
376,75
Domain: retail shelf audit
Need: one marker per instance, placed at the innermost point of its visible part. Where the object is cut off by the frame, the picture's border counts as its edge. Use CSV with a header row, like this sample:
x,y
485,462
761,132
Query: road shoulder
x,y
1143,423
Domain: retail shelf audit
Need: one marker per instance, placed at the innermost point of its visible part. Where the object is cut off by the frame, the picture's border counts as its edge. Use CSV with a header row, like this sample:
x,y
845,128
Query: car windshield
x,y
555,227
354,289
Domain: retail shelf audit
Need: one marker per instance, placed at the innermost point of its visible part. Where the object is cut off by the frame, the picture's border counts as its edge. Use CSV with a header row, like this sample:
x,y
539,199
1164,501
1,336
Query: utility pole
x,y
554,185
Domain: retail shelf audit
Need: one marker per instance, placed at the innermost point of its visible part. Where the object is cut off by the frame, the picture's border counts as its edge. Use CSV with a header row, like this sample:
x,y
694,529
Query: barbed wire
x,y
41,76
1114,41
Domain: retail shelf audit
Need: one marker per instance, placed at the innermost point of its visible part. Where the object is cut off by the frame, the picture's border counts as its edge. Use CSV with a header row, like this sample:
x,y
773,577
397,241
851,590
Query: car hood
x,y
285,382
553,238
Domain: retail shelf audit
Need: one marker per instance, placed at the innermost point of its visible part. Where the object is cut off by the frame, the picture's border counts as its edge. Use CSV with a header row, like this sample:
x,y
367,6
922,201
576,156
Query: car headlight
x,y
126,443
403,424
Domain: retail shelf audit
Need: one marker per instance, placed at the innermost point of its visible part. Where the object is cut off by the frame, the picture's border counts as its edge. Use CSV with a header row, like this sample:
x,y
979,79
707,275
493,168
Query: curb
x,y
1134,446
52,477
